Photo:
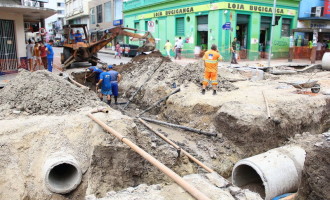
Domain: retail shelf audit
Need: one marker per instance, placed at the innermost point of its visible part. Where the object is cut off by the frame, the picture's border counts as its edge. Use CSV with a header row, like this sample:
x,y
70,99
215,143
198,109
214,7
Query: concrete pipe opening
x,y
248,178
63,175
275,172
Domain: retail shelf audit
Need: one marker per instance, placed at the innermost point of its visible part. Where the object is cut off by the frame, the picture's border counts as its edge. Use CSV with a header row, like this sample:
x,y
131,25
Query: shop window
x,y
92,15
99,14
179,26
286,27
107,12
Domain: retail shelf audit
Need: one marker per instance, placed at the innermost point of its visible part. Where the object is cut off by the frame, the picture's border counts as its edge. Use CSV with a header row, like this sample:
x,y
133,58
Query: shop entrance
x,y
265,27
202,32
242,34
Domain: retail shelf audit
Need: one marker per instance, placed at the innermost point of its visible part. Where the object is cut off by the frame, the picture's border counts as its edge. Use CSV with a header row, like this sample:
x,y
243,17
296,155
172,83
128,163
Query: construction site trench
x,y
51,149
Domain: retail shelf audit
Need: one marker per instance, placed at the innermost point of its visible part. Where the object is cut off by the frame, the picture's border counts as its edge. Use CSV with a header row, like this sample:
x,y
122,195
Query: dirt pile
x,y
315,183
43,92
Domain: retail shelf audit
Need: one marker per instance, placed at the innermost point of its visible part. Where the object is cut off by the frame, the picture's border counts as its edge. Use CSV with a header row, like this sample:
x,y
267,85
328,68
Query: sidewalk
x,y
107,51
259,63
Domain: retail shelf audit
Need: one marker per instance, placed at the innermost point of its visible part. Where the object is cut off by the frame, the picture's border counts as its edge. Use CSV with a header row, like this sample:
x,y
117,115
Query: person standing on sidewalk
x,y
178,48
211,59
36,56
233,51
29,55
168,47
118,50
50,55
43,54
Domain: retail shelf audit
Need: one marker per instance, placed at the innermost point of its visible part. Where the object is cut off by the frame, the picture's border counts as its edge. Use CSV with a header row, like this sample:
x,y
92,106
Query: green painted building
x,y
200,23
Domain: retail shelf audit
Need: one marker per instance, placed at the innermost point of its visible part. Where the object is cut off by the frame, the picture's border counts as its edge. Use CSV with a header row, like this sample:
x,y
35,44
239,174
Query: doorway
x,y
264,39
242,34
8,54
202,32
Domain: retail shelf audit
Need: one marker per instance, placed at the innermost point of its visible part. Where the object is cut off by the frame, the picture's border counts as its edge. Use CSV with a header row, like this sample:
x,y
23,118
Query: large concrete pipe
x,y
62,173
326,61
272,173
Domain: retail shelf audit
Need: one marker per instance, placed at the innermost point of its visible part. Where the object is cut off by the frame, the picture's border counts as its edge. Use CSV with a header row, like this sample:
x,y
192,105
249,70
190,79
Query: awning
x,y
30,14
310,30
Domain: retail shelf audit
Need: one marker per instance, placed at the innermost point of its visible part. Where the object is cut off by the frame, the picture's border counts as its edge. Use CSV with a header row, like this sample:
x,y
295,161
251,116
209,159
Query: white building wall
x,y
53,5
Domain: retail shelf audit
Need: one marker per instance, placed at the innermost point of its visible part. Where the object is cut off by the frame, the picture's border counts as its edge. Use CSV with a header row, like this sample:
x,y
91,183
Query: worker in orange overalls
x,y
211,59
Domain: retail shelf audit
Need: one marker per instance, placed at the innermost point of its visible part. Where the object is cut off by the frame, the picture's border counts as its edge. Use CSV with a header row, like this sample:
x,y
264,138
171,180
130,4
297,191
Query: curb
x,y
107,52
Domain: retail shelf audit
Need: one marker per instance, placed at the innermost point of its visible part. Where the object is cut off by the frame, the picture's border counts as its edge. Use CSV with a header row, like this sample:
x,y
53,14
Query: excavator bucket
x,y
148,46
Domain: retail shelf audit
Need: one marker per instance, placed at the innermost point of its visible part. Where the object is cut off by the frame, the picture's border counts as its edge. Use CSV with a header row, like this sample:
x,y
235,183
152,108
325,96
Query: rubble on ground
x,y
42,92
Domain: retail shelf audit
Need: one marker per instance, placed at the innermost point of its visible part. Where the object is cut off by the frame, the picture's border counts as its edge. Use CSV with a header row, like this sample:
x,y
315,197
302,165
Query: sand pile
x,y
43,92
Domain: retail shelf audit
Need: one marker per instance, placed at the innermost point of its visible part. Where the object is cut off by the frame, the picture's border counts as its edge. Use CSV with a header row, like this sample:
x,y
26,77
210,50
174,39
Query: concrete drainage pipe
x,y
326,61
272,173
62,173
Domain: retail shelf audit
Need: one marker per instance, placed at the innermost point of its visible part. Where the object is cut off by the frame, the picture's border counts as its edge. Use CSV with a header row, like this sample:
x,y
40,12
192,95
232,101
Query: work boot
x,y
109,102
203,91
214,92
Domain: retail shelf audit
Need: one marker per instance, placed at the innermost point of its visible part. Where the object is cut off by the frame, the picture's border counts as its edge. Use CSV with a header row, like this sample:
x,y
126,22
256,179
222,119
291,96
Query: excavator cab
x,y
79,47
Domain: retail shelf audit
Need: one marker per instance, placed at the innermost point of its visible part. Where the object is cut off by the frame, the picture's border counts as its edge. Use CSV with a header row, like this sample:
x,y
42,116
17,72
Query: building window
x,y
60,5
137,26
99,13
118,9
92,15
107,12
179,26
286,27
60,12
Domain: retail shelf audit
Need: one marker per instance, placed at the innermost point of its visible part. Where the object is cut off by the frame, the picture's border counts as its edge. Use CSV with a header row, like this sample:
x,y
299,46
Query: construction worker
x,y
115,79
50,55
105,80
95,72
211,59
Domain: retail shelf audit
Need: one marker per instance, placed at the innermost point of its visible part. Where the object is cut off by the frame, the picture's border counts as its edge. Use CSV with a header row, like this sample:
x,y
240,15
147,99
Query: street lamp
x,y
271,34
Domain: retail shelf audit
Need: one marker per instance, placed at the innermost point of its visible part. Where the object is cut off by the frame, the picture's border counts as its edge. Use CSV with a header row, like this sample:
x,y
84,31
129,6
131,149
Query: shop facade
x,y
200,23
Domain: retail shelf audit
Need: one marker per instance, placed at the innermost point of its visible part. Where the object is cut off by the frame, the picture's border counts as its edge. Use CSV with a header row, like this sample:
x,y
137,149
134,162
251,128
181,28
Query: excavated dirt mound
x,y
43,92
154,54
315,183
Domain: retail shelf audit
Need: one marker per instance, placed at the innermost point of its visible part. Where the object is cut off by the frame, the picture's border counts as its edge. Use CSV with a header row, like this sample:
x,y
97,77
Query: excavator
x,y
86,51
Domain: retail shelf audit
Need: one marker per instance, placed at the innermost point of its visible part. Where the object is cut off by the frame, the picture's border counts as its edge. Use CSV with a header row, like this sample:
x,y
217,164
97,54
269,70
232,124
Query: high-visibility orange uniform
x,y
211,59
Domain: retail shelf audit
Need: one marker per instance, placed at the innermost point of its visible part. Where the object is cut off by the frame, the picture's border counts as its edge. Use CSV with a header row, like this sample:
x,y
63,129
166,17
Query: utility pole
x,y
271,34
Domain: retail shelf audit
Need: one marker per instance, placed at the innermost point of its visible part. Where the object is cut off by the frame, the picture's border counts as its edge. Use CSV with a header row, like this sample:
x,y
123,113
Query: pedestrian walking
x,y
118,50
233,51
211,59
105,80
29,55
43,54
178,48
50,55
36,56
115,78
168,47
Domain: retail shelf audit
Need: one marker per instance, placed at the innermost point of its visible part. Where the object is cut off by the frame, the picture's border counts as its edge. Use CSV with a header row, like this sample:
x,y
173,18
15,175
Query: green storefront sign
x,y
199,24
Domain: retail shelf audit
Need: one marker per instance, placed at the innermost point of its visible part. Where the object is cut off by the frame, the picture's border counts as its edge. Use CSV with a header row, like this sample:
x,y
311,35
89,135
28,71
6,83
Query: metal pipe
x,y
179,126
267,107
131,98
176,146
180,181
158,102
271,34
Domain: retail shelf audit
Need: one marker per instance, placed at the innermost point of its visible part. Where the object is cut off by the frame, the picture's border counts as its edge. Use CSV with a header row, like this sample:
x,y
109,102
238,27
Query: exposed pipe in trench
x,y
76,83
62,173
179,126
180,181
277,171
176,146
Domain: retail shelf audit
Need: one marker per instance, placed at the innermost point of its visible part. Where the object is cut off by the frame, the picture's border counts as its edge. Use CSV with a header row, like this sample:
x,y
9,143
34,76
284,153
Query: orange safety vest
x,y
211,59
